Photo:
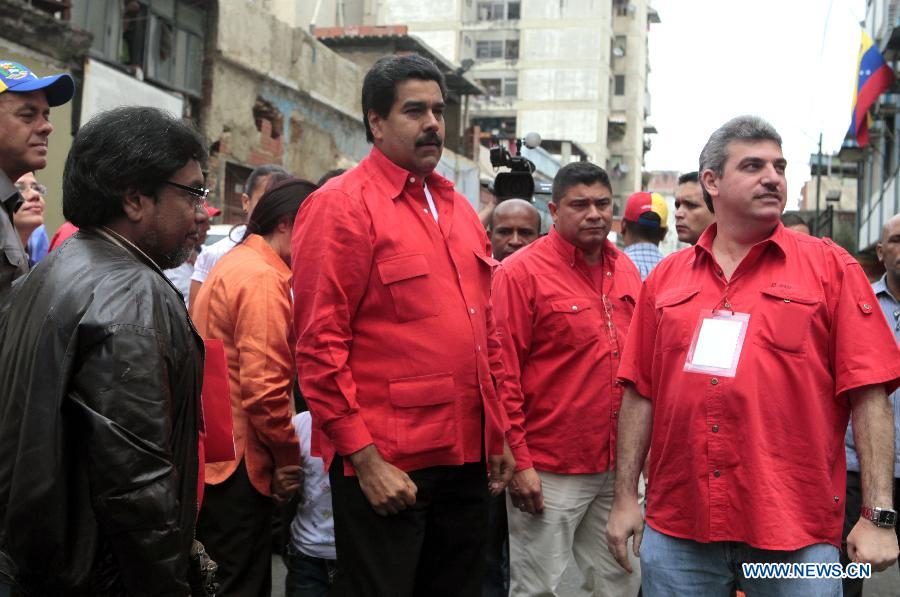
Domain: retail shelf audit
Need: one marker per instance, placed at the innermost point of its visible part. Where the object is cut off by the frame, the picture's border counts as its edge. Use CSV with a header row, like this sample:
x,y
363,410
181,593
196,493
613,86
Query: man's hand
x,y
869,544
502,469
525,491
285,481
387,488
625,520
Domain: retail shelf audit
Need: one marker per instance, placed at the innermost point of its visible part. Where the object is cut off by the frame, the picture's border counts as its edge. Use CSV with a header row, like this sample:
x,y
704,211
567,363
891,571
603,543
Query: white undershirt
x,y
430,202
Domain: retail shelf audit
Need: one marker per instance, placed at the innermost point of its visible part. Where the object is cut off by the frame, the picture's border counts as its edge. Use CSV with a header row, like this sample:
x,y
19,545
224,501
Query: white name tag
x,y
717,342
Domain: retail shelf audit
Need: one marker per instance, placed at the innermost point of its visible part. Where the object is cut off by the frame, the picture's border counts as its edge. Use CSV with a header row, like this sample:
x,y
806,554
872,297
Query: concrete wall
x,y
277,95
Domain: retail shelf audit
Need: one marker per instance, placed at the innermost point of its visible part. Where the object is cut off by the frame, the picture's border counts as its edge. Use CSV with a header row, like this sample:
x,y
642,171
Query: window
x,y
493,49
492,86
511,87
161,38
489,49
501,87
619,85
620,44
499,10
512,49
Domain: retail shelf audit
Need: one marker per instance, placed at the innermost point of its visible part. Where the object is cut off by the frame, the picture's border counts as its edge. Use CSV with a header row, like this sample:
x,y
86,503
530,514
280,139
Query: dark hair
x,y
651,234
689,177
330,174
577,173
121,151
380,85
279,203
792,218
262,172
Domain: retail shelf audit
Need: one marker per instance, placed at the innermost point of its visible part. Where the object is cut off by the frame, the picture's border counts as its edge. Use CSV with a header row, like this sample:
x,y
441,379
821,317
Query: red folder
x,y
216,400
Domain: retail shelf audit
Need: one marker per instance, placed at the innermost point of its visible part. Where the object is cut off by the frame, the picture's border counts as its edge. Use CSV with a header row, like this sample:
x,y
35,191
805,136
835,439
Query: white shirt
x,y
181,277
312,530
211,254
431,205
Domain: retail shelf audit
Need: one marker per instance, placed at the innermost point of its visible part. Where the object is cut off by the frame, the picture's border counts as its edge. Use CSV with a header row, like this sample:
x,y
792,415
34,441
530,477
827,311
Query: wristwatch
x,y
880,517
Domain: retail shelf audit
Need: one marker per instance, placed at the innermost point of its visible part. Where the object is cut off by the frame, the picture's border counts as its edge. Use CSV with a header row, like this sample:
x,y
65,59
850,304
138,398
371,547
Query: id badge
x,y
717,343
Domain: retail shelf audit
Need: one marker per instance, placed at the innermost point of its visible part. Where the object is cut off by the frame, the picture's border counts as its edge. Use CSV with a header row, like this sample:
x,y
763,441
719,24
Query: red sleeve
x,y
496,363
331,256
863,348
636,366
513,309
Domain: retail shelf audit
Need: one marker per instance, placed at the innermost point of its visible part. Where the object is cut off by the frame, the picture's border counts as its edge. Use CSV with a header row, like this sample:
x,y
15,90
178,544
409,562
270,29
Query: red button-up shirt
x,y
562,325
759,457
396,342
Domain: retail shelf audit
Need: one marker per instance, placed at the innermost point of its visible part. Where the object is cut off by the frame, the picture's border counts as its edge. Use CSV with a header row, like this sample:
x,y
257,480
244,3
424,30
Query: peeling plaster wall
x,y
259,60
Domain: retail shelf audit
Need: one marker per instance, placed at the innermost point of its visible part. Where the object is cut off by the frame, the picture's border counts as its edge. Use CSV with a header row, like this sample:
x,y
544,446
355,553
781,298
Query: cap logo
x,y
12,71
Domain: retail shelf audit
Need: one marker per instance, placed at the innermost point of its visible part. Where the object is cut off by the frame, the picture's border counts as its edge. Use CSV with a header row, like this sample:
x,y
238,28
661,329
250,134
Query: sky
x,y
791,62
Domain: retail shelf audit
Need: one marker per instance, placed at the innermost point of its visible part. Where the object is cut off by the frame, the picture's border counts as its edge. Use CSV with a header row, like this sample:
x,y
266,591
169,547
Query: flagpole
x,y
818,186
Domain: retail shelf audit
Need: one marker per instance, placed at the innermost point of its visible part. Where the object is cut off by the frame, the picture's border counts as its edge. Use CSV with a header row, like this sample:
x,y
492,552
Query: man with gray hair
x,y
764,341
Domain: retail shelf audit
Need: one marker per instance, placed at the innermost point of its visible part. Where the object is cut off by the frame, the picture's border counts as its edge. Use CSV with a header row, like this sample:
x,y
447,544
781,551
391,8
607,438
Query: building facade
x,y
574,71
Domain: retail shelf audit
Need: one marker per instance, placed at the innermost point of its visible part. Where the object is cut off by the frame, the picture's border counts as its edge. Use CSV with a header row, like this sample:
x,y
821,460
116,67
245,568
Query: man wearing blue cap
x,y
25,102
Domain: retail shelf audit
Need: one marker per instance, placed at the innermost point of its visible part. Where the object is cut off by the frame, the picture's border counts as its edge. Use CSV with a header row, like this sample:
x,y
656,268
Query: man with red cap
x,y
643,228
25,102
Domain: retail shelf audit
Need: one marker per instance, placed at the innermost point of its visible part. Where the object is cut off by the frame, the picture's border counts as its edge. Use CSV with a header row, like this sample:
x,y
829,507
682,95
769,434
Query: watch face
x,y
888,517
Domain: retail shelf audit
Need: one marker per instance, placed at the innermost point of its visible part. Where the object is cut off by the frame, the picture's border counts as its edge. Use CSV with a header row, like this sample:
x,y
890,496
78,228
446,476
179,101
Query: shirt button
x,y
472,311
574,307
412,179
867,306
615,353
615,413
716,474
787,300
714,381
478,348
608,274
728,305
715,428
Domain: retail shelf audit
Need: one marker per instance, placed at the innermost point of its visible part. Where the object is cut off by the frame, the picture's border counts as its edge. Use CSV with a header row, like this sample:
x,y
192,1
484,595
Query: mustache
x,y
429,138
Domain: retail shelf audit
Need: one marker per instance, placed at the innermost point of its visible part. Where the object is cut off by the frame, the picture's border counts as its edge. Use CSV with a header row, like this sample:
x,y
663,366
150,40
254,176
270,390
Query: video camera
x,y
518,182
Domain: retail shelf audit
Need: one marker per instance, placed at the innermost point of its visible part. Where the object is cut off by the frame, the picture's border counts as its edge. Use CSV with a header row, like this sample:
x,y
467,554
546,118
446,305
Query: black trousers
x,y
434,548
853,587
235,527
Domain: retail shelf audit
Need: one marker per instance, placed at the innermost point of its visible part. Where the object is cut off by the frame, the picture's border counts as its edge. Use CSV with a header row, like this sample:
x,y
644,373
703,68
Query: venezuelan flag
x,y
874,77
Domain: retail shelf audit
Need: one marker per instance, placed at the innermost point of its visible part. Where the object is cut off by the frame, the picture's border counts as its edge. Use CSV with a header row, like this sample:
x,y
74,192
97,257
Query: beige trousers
x,y
573,523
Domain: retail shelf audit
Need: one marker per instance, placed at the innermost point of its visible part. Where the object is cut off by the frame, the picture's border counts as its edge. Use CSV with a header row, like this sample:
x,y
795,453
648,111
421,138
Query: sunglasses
x,y
199,194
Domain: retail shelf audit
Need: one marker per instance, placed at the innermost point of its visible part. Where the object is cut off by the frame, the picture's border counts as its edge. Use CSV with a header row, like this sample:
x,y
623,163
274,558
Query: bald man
x,y
515,223
887,290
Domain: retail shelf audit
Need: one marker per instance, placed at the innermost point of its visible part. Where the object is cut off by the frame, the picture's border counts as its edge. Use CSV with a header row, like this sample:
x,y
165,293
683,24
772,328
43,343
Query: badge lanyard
x,y
717,342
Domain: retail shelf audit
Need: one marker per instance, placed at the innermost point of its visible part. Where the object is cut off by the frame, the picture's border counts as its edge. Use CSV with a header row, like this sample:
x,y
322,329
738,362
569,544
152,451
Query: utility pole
x,y
818,186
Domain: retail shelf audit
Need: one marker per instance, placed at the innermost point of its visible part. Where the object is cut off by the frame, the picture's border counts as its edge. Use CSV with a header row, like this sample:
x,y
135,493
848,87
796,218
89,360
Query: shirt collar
x,y
259,244
571,253
9,195
393,179
778,239
880,287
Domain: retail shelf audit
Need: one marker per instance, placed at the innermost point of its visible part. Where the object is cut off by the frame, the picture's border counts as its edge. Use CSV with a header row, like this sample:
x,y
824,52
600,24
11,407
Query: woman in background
x,y
246,302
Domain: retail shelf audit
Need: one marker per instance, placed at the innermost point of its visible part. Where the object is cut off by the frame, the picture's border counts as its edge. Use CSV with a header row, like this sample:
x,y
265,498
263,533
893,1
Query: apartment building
x,y
575,71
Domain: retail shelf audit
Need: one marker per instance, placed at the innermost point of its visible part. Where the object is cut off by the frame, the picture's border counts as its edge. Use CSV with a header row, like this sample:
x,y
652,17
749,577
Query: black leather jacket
x,y
100,373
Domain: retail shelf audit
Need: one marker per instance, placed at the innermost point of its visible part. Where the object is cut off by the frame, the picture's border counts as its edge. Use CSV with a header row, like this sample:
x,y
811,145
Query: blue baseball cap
x,y
19,79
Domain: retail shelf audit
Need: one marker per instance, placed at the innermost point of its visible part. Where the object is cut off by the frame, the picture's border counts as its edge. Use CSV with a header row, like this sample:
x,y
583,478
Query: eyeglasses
x,y
34,186
199,194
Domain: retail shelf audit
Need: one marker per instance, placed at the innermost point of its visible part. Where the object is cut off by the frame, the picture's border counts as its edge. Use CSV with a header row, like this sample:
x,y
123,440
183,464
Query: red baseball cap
x,y
647,209
212,211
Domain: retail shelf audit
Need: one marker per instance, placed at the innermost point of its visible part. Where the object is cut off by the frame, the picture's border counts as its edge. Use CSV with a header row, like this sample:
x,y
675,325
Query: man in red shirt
x,y
397,351
746,356
563,308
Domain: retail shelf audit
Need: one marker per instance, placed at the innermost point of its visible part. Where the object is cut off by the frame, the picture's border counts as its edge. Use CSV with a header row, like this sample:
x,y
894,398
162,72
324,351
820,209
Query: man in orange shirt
x,y
397,351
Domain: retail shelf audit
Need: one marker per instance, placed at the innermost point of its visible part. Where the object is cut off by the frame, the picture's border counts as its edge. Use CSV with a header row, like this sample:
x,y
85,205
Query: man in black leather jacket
x,y
100,374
